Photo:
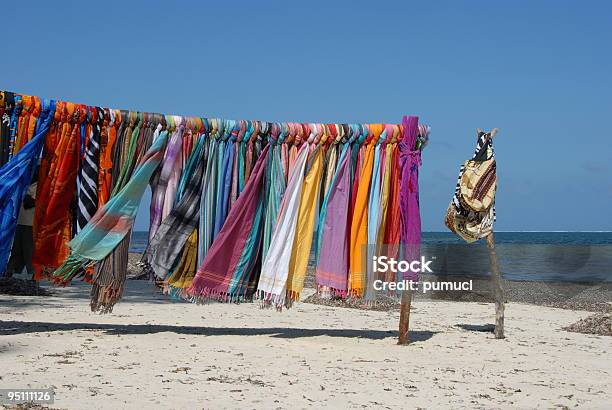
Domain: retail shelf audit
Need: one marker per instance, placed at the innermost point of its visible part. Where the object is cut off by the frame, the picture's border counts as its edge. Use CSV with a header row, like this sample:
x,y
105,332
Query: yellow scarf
x,y
300,252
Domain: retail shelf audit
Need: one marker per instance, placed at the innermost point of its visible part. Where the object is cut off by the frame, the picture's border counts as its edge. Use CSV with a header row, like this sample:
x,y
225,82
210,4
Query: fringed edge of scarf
x,y
207,294
104,298
269,299
73,267
328,292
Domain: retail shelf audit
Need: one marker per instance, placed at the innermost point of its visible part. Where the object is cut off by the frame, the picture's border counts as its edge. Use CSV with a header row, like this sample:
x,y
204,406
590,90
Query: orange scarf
x,y
56,189
359,221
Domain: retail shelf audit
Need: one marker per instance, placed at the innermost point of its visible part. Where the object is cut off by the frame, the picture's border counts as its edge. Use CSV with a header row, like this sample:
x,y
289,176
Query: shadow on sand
x,y
18,327
488,328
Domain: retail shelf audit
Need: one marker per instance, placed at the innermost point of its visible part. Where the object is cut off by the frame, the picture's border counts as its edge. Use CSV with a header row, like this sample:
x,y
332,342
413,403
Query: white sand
x,y
176,355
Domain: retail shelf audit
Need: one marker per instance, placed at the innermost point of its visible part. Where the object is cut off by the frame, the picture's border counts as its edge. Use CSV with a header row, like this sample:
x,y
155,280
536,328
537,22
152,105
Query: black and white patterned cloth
x,y
88,174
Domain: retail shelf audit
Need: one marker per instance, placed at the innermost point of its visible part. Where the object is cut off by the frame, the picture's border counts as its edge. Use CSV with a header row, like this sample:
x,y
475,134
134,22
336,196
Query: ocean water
x,y
582,257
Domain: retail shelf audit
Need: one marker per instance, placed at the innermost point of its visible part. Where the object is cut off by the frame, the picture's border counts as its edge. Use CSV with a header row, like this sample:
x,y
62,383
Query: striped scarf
x,y
274,190
178,226
207,202
88,174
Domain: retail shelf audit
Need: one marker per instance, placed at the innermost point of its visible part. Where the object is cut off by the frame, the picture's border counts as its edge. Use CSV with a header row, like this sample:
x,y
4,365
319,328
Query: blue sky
x,y
540,71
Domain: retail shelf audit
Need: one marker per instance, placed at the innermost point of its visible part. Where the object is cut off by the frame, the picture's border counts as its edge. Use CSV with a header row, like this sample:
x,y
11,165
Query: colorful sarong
x,y
332,261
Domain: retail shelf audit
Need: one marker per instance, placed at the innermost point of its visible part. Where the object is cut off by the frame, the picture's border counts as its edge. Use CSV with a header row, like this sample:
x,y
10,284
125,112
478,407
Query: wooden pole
x,y
404,321
498,291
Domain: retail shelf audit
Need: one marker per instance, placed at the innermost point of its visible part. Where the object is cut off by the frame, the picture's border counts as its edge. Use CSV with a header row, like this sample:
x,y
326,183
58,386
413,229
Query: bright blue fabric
x,y
15,178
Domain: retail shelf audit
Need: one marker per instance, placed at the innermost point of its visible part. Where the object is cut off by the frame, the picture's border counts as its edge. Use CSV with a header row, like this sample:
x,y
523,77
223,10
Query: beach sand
x,y
157,354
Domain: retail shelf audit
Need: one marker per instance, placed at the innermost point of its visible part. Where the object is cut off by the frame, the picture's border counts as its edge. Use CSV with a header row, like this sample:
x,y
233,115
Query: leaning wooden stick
x,y
498,290
496,280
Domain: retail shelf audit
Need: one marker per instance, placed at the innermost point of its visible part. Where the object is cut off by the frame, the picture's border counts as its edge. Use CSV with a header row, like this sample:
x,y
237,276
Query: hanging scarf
x,y
373,216
359,221
275,269
275,190
111,272
392,231
108,137
186,269
175,176
207,202
224,184
26,123
171,156
410,218
386,163
57,179
7,104
225,268
307,212
13,123
332,261
15,177
88,174
182,220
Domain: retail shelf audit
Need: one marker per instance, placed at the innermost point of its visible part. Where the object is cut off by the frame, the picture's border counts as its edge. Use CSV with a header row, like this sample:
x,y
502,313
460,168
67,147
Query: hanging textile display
x,y
239,209
471,213
16,176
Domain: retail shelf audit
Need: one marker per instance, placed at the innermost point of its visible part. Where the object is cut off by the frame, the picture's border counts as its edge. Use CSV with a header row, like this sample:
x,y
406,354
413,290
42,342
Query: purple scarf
x,y
332,266
410,218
